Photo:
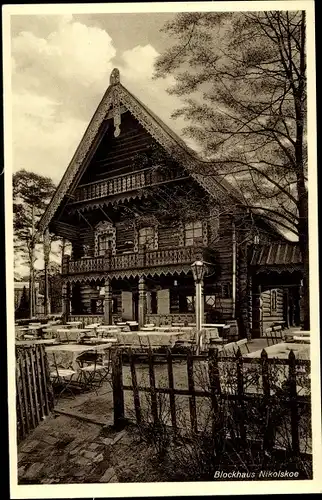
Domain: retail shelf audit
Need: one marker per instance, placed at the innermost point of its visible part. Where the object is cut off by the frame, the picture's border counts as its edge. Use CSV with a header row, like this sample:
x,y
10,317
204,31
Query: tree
x,y
31,194
22,310
243,76
51,278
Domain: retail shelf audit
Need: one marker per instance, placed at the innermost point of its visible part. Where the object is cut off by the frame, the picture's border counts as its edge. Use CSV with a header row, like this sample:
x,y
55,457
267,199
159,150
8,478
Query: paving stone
x,y
119,436
108,441
99,458
81,461
33,470
21,471
75,451
90,454
49,439
29,446
94,446
107,476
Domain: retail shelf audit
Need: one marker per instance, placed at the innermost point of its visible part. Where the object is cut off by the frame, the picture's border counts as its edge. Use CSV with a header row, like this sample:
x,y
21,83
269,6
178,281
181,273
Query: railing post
x,y
107,260
108,302
65,264
142,301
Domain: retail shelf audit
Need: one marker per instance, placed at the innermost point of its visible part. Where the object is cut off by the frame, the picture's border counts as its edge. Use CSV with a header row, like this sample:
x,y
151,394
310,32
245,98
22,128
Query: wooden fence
x,y
34,393
217,390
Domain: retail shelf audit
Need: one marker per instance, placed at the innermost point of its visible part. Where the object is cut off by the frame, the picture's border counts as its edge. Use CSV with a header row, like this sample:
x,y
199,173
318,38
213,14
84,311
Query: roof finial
x,y
115,76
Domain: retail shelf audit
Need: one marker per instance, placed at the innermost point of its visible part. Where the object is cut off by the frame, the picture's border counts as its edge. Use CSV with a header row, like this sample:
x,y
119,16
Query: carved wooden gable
x,y
121,128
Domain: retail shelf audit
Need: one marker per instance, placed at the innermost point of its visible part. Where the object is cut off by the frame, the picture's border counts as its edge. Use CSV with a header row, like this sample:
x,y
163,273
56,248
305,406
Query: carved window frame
x,y
104,228
145,222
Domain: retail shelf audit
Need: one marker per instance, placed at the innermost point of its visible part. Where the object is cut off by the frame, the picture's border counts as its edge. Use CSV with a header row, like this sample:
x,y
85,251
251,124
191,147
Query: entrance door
x,y
127,306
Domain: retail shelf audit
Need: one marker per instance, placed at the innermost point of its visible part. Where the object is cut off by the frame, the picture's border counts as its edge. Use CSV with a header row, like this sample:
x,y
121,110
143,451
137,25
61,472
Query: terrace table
x,y
32,342
74,323
66,354
213,325
36,327
282,351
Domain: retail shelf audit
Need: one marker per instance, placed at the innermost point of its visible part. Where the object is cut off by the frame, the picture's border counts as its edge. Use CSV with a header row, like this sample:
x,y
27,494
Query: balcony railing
x,y
124,183
126,261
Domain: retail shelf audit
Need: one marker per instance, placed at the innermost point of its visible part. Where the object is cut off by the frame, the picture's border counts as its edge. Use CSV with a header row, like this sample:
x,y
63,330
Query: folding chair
x,y
243,346
144,341
229,349
62,377
271,335
93,369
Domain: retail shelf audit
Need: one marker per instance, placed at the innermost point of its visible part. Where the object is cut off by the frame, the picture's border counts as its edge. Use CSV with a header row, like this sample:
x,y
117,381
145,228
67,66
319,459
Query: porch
x,y
161,300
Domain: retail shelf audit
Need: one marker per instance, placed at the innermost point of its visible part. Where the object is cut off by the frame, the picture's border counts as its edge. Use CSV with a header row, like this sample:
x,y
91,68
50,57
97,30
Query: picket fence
x,y
216,391
34,392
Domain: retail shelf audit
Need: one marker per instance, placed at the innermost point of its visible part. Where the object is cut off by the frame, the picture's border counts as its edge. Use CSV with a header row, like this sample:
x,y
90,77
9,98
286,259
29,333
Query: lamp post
x,y
198,272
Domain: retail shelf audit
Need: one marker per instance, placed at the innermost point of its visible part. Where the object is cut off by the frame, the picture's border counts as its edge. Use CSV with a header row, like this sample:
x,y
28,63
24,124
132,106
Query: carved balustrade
x,y
147,259
124,183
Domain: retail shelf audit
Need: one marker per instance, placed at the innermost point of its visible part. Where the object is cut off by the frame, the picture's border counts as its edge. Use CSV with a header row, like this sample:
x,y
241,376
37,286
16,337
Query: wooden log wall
x,y
86,237
268,315
115,155
87,293
224,250
125,236
168,235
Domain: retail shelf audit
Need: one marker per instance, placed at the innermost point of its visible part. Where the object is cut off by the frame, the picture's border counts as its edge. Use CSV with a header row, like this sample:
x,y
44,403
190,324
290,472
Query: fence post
x,y
192,396
171,387
117,382
240,393
214,386
293,404
268,439
154,405
136,395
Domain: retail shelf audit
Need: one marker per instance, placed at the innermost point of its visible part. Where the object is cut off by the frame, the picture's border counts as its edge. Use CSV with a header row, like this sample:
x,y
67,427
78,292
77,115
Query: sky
x,y
60,71
61,66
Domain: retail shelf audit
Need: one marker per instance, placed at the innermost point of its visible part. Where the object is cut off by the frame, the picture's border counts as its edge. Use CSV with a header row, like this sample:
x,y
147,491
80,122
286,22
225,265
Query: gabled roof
x,y
115,95
277,254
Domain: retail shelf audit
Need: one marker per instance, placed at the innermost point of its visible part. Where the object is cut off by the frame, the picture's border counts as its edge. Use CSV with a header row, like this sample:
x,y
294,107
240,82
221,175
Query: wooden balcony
x,y
128,261
124,183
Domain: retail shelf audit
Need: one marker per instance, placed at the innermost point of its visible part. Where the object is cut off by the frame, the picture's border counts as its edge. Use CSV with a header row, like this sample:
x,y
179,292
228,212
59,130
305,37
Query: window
x,y
104,243
114,305
146,237
273,301
191,303
193,233
154,303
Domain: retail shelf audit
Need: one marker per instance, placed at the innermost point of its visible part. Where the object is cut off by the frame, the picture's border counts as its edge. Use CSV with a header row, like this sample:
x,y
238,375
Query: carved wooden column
x,y
142,301
108,302
66,301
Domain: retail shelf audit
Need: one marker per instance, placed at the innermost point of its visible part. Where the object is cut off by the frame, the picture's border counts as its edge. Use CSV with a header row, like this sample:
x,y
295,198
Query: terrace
x,y
80,442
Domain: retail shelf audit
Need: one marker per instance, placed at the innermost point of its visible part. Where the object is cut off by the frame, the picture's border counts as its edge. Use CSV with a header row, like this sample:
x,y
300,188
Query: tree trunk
x,y
304,249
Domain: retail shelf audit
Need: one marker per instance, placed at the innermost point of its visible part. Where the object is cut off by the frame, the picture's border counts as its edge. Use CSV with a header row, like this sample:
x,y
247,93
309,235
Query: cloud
x,y
60,70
